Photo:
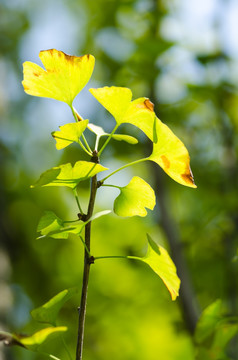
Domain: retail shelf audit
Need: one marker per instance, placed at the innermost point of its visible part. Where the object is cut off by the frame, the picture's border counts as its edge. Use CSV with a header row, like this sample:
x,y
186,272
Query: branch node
x,y
82,217
95,157
91,260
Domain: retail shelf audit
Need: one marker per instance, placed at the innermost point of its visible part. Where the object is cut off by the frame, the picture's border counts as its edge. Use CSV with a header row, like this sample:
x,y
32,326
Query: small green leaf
x,y
209,320
127,138
161,263
52,226
117,100
65,76
170,153
68,175
134,198
69,133
32,342
98,130
49,222
48,312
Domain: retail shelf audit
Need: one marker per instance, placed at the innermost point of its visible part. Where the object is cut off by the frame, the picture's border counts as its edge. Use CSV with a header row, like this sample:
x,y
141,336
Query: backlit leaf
x,y
117,100
52,226
68,175
48,312
134,198
161,263
62,79
170,153
69,133
32,342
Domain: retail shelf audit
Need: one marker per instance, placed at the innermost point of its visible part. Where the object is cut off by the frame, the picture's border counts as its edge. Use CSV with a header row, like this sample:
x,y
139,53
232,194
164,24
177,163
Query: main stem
x,y
87,263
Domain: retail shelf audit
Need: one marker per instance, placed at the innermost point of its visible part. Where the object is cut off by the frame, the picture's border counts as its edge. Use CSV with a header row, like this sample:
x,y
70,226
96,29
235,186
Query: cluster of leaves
x,y
63,78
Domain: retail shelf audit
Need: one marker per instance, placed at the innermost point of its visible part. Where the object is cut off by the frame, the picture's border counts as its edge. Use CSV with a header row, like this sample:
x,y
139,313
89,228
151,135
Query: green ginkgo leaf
x,y
134,198
68,175
117,100
62,79
50,225
32,342
48,312
98,130
69,133
170,153
161,263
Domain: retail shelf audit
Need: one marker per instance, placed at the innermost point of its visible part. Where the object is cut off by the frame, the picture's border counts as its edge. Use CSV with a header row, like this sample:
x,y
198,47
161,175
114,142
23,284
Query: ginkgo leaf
x,y
134,198
117,100
50,225
48,312
32,342
161,263
170,153
69,133
62,79
98,130
68,175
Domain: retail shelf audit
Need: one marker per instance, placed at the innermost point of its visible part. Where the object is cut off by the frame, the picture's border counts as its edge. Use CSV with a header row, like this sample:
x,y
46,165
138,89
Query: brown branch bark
x,y
87,262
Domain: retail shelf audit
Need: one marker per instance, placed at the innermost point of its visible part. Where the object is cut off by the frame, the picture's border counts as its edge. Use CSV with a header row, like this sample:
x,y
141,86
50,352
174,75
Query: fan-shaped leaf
x,y
52,226
68,175
161,263
48,312
170,153
117,100
134,198
63,78
69,133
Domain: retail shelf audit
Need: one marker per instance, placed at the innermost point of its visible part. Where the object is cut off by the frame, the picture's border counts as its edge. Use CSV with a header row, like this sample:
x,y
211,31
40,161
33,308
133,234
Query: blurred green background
x,y
183,55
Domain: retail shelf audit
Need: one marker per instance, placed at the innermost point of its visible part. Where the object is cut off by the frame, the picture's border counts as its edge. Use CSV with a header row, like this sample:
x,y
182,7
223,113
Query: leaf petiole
x,y
114,257
85,246
77,118
123,167
108,139
77,200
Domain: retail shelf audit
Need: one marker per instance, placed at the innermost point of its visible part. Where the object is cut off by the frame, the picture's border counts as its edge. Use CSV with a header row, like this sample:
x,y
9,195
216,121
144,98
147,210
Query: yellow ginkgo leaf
x,y
117,100
170,153
63,78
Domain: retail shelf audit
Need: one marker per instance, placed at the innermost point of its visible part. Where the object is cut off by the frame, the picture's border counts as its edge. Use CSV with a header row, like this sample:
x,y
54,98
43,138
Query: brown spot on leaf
x,y
149,105
165,161
188,177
